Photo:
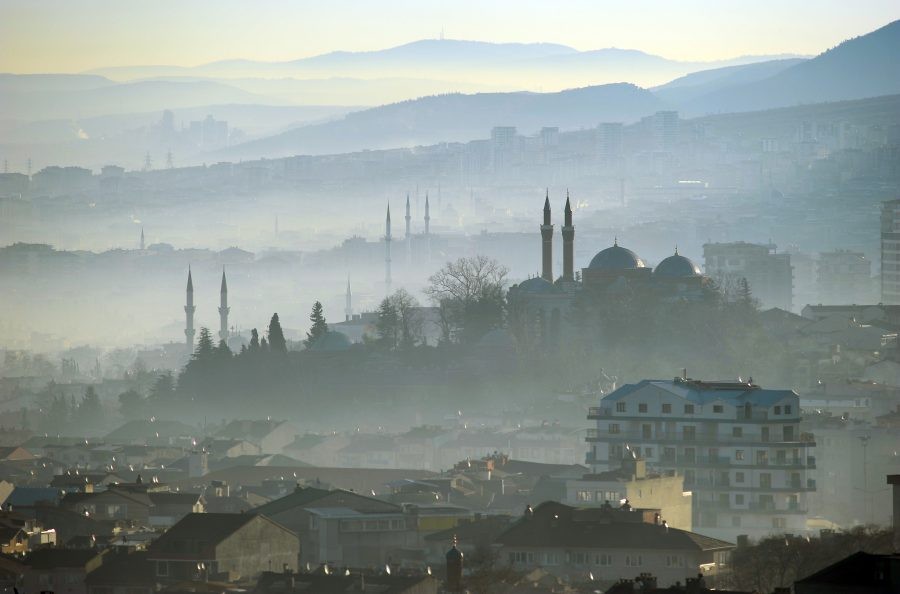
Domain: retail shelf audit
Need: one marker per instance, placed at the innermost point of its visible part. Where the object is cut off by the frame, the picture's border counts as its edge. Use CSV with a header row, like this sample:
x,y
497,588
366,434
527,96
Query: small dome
x,y
676,266
454,554
537,285
616,258
331,341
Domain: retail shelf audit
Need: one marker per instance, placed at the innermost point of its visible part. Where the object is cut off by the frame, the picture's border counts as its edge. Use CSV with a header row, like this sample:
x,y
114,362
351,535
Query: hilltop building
x,y
611,273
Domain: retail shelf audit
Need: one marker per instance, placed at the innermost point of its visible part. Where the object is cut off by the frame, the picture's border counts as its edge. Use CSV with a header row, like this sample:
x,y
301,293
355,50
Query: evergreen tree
x,y
254,340
205,347
276,336
222,351
90,411
319,326
264,345
131,405
163,389
387,324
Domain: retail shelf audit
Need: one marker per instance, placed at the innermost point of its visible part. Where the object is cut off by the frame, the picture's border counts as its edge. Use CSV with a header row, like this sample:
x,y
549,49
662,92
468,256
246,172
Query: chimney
x,y
894,481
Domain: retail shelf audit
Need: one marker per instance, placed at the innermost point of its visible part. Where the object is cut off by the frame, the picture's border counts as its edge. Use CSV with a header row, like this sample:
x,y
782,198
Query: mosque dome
x,y
537,285
616,258
676,266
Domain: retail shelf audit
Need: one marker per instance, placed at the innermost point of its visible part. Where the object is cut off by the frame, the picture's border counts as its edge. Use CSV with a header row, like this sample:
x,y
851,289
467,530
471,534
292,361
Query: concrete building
x,y
890,252
844,276
738,446
769,273
643,490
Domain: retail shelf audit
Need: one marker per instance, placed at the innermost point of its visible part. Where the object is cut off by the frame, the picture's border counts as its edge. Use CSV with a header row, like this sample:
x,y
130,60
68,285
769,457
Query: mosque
x,y
613,273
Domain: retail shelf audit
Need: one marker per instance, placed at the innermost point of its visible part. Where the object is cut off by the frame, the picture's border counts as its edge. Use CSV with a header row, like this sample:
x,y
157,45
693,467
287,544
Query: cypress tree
x,y
276,336
319,326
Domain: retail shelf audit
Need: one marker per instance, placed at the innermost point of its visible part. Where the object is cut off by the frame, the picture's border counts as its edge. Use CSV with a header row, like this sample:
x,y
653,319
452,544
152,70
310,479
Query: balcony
x,y
596,412
700,438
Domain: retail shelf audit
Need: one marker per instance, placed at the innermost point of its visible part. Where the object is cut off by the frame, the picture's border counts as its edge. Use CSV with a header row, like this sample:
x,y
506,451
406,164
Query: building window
x,y
739,499
674,561
613,427
551,558
584,496
777,410
737,432
717,408
642,407
779,523
688,409
667,409
620,407
633,561
787,409
604,559
739,477
648,453
162,568
689,433
765,480
739,454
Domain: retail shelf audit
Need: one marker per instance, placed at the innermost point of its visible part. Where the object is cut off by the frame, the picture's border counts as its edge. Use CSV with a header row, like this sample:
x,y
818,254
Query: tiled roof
x,y
557,525
701,392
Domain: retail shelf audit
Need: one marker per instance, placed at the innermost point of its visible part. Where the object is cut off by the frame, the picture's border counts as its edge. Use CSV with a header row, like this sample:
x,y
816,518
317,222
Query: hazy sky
x,y
70,36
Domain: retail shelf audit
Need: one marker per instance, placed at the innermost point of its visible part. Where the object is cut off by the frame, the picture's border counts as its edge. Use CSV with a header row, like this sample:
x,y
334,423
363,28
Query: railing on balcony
x,y
599,411
698,437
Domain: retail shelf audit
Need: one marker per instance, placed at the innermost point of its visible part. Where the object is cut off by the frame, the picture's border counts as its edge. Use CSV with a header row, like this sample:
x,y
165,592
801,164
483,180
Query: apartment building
x,y
738,446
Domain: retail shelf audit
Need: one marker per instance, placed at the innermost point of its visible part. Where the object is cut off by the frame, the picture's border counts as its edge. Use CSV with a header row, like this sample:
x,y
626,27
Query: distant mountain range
x,y
504,66
863,67
461,90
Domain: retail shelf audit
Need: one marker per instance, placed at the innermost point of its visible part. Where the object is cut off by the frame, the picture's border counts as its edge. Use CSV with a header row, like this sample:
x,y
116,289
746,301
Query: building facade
x,y
890,252
738,446
768,273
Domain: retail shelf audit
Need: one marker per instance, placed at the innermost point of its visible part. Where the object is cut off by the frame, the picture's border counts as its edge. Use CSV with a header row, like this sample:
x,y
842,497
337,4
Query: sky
x,y
70,36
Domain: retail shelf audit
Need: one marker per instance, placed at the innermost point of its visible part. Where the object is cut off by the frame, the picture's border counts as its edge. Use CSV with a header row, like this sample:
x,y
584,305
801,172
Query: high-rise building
x,y
738,446
890,252
665,130
844,277
768,273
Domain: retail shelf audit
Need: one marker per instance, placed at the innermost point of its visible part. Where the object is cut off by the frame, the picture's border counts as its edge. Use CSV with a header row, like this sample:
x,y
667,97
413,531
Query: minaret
x,y
142,239
223,309
547,243
427,231
408,238
348,307
387,250
189,314
568,233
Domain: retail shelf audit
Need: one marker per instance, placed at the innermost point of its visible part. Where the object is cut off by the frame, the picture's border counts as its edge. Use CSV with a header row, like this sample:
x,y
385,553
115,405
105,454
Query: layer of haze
x,y
64,36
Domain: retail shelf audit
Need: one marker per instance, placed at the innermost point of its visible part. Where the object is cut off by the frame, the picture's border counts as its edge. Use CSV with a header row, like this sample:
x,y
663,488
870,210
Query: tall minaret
x,y
547,243
427,231
189,314
142,239
223,309
348,307
387,250
408,238
568,233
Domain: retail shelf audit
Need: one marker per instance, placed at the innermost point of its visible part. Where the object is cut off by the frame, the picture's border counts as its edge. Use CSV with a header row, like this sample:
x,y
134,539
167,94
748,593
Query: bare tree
x,y
470,293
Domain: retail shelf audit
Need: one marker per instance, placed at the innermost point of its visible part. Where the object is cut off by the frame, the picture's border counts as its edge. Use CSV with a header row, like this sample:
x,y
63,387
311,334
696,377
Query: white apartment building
x,y
737,445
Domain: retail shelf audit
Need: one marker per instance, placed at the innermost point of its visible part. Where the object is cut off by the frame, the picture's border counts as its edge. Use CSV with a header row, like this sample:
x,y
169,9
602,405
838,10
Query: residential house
x,y
271,436
124,571
608,544
223,547
59,570
341,527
